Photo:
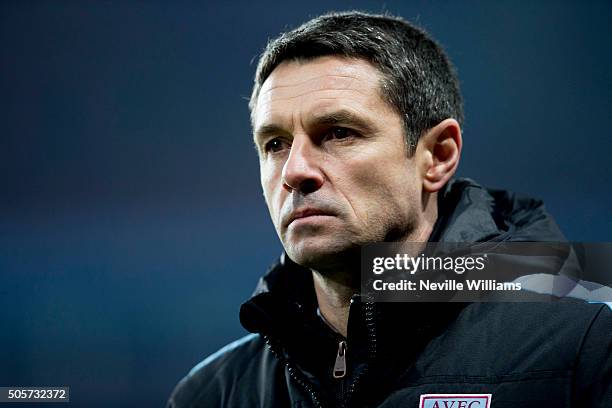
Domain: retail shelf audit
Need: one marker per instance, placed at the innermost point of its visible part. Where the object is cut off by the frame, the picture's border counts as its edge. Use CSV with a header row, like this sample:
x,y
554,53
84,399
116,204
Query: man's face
x,y
333,161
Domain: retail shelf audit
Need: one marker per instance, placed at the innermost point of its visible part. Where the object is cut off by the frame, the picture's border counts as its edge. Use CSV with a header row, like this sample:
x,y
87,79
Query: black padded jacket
x,y
553,354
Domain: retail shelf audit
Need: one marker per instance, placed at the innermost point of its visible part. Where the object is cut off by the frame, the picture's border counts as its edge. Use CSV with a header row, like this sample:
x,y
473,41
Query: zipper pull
x,y
340,365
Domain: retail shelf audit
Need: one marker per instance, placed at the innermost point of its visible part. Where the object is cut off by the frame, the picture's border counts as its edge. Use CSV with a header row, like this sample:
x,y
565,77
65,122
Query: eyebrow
x,y
335,118
343,117
268,130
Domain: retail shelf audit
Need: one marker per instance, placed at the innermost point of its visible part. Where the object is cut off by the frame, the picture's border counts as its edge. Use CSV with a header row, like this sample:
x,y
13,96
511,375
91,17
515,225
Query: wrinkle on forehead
x,y
324,101
331,72
317,83
332,77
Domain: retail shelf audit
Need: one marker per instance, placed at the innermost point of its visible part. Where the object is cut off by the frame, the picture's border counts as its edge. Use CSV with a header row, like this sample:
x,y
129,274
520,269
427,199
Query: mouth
x,y
306,214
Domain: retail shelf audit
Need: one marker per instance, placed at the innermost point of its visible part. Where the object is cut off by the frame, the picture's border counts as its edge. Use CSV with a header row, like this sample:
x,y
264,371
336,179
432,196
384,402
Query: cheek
x,y
381,172
271,188
386,189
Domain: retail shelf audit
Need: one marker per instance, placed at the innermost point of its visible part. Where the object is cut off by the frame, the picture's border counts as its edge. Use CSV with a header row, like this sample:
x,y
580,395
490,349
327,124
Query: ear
x,y
438,153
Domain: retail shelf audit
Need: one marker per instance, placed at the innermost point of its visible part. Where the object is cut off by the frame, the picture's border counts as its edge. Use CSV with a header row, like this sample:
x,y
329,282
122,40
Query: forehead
x,y
317,85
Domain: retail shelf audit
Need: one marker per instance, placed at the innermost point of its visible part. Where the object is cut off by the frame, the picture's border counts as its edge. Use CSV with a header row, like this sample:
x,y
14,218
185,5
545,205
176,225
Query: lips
x,y
303,213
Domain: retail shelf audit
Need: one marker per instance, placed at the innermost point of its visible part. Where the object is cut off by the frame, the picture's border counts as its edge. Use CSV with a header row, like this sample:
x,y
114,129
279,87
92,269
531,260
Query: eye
x,y
339,133
274,145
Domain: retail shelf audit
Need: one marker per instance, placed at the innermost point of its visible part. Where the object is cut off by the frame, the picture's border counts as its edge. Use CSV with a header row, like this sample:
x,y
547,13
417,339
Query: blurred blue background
x,y
132,223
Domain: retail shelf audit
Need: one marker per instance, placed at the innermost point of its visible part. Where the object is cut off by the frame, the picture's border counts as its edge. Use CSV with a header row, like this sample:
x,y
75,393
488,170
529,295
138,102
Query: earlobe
x,y
441,152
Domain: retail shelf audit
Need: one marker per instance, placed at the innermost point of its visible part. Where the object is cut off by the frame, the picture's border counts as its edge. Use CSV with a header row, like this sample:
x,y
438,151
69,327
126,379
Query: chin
x,y
322,255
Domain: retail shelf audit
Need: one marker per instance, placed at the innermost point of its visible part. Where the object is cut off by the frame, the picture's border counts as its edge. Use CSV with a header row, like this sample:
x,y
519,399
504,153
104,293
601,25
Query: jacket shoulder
x,y
211,382
532,337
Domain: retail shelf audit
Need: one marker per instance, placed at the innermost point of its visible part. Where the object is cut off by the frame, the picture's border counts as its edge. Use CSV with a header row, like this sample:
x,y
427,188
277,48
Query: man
x,y
357,122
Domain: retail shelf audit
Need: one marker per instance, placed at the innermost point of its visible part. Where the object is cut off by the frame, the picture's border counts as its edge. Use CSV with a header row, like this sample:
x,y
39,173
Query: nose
x,y
302,172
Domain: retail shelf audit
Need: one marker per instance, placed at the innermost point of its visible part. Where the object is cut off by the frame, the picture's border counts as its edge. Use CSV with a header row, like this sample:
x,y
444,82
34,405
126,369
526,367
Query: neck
x,y
334,296
334,290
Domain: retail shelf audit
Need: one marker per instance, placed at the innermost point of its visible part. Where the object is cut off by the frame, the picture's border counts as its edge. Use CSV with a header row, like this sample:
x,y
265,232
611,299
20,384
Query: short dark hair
x,y
418,78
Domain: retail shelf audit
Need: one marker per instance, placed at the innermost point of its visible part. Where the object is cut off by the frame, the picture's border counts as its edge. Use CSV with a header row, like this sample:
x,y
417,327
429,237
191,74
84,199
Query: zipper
x,y
302,381
296,374
340,365
371,330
